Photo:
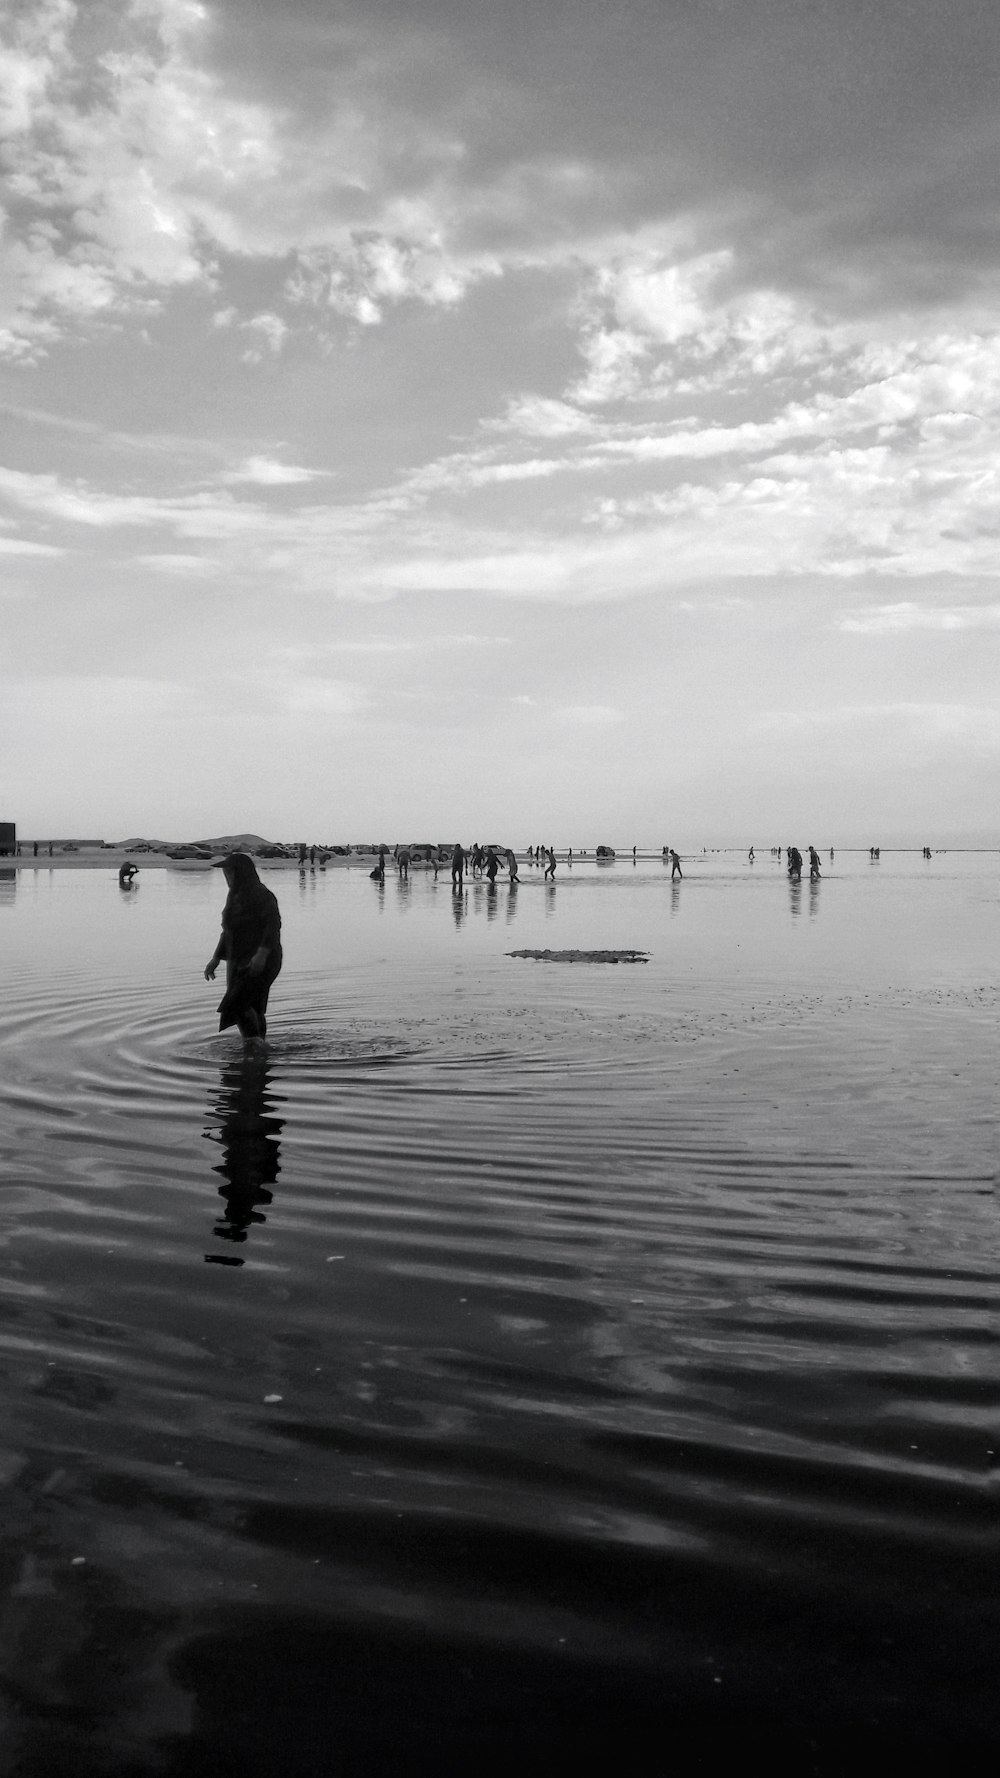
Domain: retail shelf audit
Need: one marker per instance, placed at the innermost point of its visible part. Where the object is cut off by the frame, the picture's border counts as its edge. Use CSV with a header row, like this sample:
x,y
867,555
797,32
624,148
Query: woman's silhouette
x,y
250,942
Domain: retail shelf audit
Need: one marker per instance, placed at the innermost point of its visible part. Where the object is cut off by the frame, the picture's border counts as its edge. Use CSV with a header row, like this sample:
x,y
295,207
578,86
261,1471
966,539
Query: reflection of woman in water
x,y
250,942
250,1150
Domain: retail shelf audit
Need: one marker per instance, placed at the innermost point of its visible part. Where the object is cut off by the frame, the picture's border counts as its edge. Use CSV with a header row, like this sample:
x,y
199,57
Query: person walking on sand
x,y
250,943
675,866
550,868
814,870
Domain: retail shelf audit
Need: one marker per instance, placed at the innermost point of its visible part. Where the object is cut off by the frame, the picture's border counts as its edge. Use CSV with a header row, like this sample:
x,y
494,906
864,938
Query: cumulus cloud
x,y
133,164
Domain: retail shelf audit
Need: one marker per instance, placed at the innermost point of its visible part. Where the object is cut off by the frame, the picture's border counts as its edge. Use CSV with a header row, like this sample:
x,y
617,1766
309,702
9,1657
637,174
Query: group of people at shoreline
x,y
250,938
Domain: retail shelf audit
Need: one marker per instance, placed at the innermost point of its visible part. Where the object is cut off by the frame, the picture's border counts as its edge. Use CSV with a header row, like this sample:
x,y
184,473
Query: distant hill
x,y
229,842
232,842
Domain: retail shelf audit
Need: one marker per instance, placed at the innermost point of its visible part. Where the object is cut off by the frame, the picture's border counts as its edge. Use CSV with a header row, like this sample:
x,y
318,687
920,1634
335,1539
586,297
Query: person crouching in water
x,y
250,943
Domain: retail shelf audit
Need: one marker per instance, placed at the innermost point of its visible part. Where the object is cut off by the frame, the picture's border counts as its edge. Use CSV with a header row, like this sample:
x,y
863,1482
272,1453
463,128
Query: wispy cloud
x,y
882,620
266,472
589,715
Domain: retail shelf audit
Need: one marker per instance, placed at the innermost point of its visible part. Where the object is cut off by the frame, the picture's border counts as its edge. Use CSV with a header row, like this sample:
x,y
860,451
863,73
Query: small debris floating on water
x,y
584,956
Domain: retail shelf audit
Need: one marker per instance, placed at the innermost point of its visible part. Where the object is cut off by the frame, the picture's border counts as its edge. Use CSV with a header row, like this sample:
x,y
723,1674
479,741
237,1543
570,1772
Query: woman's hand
x,y
210,971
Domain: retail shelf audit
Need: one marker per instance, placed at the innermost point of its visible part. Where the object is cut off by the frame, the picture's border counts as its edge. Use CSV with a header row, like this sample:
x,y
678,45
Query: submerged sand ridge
x,y
576,956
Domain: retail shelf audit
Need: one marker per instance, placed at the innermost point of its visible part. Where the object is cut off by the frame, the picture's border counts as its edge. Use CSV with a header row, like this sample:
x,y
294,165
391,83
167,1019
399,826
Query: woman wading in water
x,y
250,942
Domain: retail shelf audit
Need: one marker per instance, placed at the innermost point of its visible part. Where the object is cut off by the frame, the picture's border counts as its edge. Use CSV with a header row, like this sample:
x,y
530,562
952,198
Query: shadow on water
x,y
242,1122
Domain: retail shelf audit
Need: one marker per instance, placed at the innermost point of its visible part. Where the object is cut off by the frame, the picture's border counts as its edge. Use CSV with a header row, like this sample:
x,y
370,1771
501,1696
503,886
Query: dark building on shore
x,y
8,839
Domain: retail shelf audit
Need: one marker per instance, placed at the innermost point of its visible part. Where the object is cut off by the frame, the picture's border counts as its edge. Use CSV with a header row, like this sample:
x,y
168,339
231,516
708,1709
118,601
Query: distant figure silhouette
x,y
750,855
512,863
378,874
814,870
457,867
675,866
403,861
795,864
127,871
250,942
550,868
492,865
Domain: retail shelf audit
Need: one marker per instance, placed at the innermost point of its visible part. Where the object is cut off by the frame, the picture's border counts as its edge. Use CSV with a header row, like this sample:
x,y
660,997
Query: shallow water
x,y
587,1355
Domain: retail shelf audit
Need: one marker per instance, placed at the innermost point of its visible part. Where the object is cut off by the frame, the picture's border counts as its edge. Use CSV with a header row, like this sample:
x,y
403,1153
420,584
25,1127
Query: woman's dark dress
x,y
250,919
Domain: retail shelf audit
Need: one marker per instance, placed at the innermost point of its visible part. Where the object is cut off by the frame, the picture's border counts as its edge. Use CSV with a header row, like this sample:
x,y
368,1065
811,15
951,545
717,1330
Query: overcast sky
x,y
573,420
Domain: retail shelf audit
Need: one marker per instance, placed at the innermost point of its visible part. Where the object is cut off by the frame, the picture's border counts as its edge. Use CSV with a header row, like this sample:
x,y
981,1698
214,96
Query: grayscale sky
x,y
566,420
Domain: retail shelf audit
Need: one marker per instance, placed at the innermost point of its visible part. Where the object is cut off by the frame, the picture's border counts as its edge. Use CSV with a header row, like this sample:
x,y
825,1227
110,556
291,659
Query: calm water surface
x,y
522,1361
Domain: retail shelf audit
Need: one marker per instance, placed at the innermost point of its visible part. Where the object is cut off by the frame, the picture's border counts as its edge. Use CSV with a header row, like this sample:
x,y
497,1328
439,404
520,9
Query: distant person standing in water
x,y
550,868
250,943
675,866
814,870
512,863
457,867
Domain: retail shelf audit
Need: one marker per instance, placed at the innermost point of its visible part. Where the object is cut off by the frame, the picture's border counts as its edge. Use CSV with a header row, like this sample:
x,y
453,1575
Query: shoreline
x,y
111,858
